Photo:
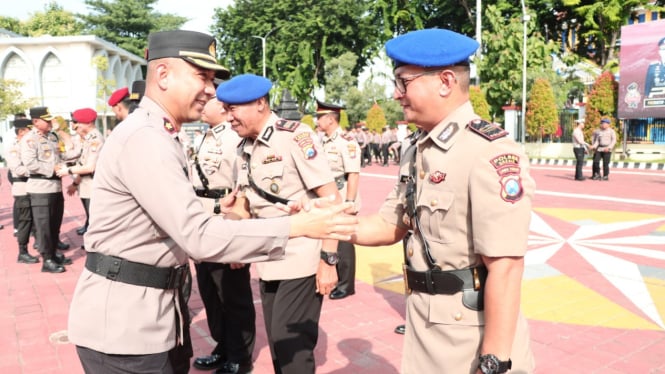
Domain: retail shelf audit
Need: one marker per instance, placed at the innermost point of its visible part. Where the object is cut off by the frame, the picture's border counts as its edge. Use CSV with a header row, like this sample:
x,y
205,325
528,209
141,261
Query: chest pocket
x,y
434,207
211,162
46,152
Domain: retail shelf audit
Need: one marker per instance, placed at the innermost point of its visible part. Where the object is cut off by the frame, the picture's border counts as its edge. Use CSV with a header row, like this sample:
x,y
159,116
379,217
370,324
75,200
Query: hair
x,y
463,74
661,42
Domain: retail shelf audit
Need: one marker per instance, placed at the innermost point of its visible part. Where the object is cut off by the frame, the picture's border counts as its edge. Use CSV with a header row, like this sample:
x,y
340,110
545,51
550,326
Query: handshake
x,y
321,218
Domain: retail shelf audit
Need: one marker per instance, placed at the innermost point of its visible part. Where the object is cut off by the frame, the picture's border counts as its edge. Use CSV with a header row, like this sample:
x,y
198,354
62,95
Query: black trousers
x,y
385,153
367,154
291,310
47,211
22,213
605,156
346,267
376,151
579,162
86,207
95,362
229,304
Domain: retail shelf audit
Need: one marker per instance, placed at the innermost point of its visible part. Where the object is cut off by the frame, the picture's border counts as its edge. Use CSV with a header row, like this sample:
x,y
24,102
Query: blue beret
x,y
243,89
430,47
605,120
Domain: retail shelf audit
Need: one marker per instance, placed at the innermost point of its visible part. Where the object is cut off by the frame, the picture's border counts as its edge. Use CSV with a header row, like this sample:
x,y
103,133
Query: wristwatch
x,y
490,364
330,258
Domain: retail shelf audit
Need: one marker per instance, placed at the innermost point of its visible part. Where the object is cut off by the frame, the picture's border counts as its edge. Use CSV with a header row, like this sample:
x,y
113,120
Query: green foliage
x,y
54,21
376,120
602,102
308,119
479,103
302,38
127,23
11,24
541,116
11,99
344,120
339,76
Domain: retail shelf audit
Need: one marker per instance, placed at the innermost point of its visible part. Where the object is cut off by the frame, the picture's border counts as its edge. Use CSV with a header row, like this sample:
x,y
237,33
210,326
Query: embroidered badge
x,y
272,158
306,144
489,131
287,125
267,134
352,150
218,129
448,132
508,169
168,126
437,177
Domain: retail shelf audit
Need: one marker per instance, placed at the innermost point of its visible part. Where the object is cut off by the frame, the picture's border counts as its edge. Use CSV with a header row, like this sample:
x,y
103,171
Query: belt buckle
x,y
476,279
407,290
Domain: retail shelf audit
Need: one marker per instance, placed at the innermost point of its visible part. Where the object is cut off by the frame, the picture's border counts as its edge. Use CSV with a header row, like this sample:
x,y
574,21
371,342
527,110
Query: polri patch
x,y
306,144
287,125
489,131
511,188
352,150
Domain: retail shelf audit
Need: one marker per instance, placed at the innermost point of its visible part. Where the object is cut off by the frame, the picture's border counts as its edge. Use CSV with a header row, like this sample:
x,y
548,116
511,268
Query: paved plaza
x,y
593,290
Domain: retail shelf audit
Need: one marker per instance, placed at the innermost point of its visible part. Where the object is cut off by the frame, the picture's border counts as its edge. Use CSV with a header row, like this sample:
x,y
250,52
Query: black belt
x,y
125,271
19,179
213,194
39,176
438,282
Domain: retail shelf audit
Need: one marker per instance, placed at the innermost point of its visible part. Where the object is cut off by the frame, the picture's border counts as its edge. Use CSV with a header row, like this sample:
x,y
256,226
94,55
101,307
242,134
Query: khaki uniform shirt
x,y
343,157
473,198
606,138
286,161
90,148
17,169
578,138
145,210
40,153
216,156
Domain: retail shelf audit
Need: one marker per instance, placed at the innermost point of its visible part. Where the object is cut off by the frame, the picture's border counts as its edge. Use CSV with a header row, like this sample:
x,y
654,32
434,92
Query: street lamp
x,y
263,47
525,19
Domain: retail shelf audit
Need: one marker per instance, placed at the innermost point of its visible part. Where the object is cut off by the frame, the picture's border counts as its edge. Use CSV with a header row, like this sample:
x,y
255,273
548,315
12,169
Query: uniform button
x,y
434,202
458,316
253,166
422,174
410,252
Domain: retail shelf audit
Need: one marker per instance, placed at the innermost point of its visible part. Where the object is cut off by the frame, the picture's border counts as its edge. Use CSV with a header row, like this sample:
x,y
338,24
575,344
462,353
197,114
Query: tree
x,y
11,24
11,98
479,103
302,38
542,116
339,78
54,21
127,23
602,102
375,118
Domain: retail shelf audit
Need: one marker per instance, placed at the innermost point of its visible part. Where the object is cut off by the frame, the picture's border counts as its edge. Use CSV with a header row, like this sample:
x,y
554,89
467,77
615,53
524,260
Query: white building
x,y
58,72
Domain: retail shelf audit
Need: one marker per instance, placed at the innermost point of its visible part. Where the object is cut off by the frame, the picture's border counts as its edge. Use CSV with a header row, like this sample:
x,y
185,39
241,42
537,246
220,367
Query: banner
x,y
642,70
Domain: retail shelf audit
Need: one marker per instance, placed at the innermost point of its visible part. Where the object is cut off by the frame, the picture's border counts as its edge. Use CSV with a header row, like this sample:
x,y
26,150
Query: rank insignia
x,y
272,158
511,188
168,126
489,131
352,150
448,132
437,177
306,144
286,125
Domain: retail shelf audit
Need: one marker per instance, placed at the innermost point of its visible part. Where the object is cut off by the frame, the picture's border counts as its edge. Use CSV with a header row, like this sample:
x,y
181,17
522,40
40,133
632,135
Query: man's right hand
x,y
322,220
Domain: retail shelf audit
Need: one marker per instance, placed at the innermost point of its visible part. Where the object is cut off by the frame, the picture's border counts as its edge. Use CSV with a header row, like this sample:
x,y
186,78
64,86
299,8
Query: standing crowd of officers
x,y
263,189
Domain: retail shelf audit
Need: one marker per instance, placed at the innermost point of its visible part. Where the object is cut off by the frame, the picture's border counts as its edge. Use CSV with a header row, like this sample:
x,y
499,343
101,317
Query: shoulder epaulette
x,y
347,137
489,131
286,125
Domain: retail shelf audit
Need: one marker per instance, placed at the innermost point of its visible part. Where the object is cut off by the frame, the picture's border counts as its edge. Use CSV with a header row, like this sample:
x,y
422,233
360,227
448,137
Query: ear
x,y
163,69
448,80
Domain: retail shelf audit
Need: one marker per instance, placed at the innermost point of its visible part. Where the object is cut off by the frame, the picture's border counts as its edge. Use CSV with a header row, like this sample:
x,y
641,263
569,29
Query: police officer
x,y
42,156
84,169
225,288
282,160
580,148
120,103
344,157
18,175
603,143
459,178
128,312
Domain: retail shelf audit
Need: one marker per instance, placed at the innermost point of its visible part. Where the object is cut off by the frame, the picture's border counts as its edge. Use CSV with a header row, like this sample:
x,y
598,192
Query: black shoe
x,y
81,230
27,258
400,329
596,177
2,227
62,246
35,246
208,362
605,178
50,266
580,179
339,294
60,259
234,368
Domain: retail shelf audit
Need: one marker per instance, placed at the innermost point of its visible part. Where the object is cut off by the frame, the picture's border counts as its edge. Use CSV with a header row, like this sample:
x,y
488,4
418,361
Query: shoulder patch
x,y
287,125
487,130
306,144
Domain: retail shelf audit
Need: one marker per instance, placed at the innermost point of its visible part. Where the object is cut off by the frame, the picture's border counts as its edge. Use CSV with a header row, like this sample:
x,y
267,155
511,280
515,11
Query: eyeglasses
x,y
401,81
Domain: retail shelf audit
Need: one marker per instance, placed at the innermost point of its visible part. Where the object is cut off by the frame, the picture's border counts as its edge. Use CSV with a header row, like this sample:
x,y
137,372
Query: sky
x,y
198,11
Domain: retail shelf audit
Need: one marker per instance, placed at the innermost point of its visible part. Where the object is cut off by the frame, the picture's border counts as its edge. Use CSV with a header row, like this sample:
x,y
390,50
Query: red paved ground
x,y
356,333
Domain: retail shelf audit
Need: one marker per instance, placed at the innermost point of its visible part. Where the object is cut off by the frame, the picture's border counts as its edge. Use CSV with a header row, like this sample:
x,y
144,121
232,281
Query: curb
x,y
613,164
